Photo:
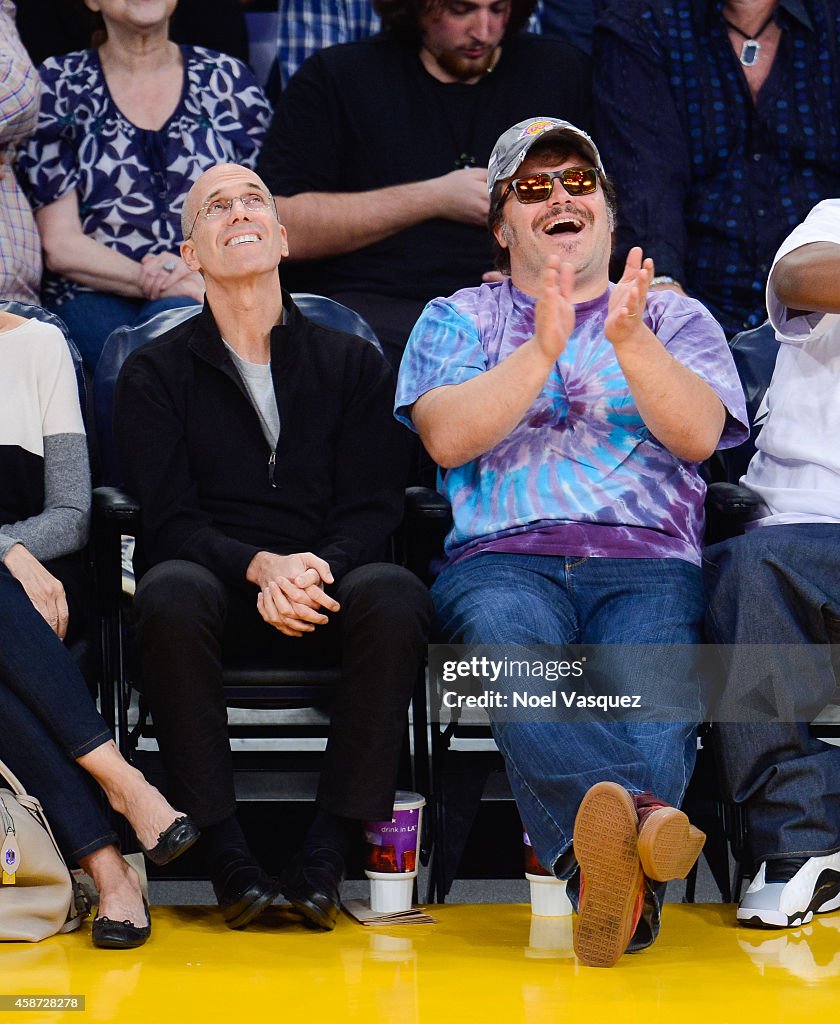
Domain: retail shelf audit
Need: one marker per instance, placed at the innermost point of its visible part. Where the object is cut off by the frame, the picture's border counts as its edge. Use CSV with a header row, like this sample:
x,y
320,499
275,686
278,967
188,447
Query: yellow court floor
x,y
487,962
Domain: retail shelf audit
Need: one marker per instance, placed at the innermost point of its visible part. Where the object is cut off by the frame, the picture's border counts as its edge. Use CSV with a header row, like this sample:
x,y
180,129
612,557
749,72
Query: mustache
x,y
568,210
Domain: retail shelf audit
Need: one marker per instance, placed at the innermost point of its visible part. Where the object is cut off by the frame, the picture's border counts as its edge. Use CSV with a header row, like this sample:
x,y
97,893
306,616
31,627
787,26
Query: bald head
x,y
211,182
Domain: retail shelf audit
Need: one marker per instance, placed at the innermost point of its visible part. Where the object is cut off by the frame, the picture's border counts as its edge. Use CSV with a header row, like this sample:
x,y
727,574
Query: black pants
x,y
188,621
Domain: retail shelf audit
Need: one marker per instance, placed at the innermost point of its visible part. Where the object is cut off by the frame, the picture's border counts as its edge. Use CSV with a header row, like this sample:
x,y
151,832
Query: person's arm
x,y
806,279
679,408
641,138
322,224
149,431
68,251
459,422
62,526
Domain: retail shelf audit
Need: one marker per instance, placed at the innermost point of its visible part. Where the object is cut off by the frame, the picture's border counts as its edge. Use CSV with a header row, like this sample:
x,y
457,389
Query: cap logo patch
x,y
536,128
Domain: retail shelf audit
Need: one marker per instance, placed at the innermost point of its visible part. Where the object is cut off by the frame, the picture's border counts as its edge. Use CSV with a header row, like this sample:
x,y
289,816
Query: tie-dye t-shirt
x,y
581,474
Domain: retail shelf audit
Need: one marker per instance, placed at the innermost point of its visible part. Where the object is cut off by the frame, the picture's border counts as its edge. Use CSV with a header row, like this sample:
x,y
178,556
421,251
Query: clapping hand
x,y
627,300
554,315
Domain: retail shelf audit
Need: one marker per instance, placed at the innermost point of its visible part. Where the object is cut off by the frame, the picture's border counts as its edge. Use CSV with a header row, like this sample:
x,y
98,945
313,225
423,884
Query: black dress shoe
x,y
173,841
242,906
108,934
311,883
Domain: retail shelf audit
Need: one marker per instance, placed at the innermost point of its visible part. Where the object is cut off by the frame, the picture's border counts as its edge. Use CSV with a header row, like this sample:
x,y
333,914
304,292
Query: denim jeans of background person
x,y
268,467
711,184
779,583
577,507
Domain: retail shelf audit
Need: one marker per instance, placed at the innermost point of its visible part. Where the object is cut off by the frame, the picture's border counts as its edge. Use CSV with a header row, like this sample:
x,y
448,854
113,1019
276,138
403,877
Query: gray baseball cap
x,y
512,146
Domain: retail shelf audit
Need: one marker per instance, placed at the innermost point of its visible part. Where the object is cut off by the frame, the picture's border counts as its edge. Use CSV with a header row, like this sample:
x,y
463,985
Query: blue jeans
x,y
48,720
534,599
91,316
779,585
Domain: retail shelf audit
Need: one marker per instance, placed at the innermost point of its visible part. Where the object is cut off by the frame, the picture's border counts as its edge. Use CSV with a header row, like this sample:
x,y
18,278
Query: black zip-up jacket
x,y
211,489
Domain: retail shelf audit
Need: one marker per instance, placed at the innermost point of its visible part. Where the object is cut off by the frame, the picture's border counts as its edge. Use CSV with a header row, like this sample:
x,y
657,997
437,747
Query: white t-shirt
x,y
796,468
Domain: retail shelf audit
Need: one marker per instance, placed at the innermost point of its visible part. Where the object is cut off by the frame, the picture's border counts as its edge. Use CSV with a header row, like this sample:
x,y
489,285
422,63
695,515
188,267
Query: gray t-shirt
x,y
258,383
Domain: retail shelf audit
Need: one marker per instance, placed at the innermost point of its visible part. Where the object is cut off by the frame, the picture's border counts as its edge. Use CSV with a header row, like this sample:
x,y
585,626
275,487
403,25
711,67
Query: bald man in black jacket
x,y
268,465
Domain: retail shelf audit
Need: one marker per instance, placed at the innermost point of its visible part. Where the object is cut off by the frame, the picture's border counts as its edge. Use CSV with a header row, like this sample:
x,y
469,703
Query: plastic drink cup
x,y
548,894
393,849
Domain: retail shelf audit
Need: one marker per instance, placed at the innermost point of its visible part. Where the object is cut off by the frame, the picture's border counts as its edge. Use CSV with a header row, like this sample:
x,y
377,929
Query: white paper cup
x,y
390,894
393,848
548,896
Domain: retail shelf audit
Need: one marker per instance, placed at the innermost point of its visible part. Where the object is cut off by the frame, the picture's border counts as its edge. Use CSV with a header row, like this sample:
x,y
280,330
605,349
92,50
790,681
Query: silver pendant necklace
x,y
751,47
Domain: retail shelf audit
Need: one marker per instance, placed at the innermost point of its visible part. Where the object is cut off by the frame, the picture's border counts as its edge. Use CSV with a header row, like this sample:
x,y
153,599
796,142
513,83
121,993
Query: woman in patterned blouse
x,y
124,130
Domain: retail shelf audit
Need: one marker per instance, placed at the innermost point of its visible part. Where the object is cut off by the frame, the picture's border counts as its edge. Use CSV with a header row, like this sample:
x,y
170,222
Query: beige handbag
x,y
37,896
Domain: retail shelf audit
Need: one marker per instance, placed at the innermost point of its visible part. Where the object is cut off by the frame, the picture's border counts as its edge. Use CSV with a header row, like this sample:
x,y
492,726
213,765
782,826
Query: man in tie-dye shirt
x,y
569,416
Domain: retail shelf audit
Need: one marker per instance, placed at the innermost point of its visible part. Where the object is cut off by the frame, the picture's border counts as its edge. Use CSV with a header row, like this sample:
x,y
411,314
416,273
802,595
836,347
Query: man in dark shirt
x,y
718,123
379,151
267,464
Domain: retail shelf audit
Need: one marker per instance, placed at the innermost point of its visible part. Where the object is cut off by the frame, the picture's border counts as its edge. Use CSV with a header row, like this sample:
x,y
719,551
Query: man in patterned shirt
x,y
568,416
20,246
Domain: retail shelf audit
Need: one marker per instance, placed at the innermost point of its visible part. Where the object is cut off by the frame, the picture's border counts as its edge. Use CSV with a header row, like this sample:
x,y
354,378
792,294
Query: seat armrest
x,y
424,503
729,507
113,505
427,519
732,499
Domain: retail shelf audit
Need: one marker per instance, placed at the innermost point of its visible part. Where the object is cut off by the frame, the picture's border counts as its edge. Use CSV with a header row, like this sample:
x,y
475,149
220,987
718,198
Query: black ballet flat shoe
x,y
108,934
241,908
173,841
312,884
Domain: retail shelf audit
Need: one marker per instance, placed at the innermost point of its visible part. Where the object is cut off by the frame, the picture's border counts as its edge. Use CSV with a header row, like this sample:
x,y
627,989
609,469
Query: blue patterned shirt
x,y
709,182
310,25
131,182
580,474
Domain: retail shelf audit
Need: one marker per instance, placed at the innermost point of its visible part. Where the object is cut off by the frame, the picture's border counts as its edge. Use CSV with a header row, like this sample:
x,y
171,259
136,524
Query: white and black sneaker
x,y
786,893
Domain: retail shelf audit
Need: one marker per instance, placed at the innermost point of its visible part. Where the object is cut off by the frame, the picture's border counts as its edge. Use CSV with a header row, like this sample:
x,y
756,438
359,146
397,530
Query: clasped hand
x,y
157,282
291,596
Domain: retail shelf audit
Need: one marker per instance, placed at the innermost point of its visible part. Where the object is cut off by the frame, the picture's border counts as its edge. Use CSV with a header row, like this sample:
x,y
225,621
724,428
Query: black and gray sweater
x,y
45,493
212,489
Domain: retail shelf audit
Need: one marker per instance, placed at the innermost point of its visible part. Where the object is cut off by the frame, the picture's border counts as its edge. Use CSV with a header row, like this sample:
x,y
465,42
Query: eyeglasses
x,y
251,201
536,188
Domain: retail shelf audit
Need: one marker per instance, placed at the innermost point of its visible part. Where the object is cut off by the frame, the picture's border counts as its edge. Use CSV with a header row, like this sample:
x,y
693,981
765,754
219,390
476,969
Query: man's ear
x,y
500,234
188,254
284,248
